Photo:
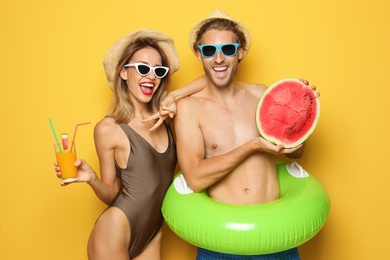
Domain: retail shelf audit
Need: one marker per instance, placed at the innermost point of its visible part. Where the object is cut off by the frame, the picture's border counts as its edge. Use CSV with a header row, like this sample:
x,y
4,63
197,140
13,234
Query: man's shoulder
x,y
253,88
251,85
190,101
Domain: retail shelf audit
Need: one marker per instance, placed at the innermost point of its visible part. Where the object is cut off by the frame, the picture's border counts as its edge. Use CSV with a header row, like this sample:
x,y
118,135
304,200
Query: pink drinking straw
x,y
74,135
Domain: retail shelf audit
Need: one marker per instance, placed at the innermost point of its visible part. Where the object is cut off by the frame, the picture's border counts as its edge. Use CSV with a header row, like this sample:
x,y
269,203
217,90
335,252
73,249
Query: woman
x,y
136,164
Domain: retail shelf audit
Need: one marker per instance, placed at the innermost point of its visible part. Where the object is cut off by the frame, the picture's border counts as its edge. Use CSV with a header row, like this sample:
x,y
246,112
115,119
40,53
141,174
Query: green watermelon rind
x,y
274,139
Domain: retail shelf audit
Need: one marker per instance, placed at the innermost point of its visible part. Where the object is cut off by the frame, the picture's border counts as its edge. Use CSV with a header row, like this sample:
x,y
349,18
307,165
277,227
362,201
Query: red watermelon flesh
x,y
287,112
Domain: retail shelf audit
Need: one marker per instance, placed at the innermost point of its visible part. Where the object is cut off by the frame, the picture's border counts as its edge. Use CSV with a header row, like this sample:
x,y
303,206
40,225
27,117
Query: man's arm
x,y
201,173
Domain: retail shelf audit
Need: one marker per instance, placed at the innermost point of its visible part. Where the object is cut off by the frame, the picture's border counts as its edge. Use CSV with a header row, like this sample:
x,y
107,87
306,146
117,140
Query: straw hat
x,y
113,55
220,14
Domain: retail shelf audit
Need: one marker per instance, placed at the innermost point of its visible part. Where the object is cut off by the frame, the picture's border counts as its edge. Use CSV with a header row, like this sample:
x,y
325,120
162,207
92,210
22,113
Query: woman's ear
x,y
124,74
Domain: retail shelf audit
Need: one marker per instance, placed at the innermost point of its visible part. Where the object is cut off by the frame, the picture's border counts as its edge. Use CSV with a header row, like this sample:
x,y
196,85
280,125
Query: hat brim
x,y
113,55
219,14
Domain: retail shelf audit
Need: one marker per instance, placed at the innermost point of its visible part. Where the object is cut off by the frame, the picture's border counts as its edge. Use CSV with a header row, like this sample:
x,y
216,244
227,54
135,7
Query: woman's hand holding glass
x,y
85,173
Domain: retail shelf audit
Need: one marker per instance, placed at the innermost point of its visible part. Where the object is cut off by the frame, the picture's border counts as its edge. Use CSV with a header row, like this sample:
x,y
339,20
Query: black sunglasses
x,y
144,69
210,50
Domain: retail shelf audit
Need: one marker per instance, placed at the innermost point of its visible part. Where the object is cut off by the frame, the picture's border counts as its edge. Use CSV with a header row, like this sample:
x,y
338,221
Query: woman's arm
x,y
105,188
168,105
189,89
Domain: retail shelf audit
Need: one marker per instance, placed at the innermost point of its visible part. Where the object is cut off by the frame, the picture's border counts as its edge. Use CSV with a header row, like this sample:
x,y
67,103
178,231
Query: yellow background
x,y
51,56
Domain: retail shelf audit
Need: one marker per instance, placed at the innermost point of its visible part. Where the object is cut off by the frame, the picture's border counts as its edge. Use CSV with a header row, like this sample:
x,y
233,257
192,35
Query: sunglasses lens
x,y
143,70
228,50
209,51
160,72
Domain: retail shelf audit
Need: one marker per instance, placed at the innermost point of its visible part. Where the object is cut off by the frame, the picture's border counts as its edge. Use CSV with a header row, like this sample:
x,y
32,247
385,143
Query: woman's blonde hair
x,y
122,108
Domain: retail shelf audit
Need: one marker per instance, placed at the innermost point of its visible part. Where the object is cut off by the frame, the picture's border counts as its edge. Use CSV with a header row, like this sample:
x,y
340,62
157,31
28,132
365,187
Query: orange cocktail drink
x,y
66,160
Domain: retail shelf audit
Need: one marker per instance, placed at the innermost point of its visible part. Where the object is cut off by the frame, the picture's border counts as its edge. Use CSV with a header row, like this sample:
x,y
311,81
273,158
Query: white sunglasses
x,y
144,69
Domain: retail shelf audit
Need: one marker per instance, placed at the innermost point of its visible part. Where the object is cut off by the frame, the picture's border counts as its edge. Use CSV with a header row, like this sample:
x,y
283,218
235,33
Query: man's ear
x,y
199,55
240,54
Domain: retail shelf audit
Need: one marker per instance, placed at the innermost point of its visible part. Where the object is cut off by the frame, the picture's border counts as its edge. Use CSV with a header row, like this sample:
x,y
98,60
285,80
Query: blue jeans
x,y
291,254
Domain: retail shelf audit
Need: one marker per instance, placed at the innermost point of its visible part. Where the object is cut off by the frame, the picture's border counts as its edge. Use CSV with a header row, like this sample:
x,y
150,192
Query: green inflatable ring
x,y
295,218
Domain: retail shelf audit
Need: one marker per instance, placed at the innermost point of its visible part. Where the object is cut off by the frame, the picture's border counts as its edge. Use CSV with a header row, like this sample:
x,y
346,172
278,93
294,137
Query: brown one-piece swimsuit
x,y
144,183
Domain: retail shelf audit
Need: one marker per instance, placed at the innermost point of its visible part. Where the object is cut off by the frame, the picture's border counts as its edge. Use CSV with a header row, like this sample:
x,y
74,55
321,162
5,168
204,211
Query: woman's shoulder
x,y
106,126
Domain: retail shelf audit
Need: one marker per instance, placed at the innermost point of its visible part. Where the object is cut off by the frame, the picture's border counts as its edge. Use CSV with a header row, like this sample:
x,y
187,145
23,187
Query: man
x,y
219,147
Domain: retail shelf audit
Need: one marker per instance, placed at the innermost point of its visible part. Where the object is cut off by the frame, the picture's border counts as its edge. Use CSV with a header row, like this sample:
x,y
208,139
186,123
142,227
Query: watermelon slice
x,y
287,112
64,138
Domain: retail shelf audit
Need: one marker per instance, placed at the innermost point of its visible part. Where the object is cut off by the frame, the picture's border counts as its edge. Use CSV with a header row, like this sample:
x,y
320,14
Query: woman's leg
x,y
110,236
153,250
